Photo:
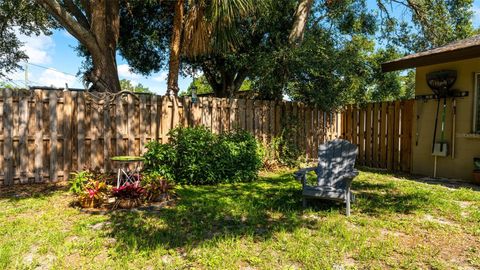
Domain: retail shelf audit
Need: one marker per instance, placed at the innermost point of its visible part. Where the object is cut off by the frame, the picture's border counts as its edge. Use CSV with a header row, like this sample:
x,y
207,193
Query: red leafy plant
x,y
128,195
94,194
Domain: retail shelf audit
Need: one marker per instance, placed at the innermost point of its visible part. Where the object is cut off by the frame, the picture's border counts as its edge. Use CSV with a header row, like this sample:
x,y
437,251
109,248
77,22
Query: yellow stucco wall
x,y
465,148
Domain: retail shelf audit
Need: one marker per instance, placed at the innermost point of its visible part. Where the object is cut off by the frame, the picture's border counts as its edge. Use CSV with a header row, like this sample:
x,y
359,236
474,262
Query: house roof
x,y
457,50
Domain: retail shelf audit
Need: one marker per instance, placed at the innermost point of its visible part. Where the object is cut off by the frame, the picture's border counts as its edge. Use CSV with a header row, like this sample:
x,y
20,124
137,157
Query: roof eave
x,y
432,59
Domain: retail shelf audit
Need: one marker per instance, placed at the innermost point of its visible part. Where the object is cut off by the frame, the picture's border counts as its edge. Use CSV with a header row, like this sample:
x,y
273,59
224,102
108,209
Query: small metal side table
x,y
125,174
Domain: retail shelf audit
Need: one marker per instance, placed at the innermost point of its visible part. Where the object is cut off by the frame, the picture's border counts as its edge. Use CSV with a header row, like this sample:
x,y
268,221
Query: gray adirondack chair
x,y
335,173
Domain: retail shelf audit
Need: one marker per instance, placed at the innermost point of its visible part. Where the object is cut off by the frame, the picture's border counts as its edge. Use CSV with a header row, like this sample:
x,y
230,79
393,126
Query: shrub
x,y
240,156
94,194
283,149
129,191
157,188
197,156
79,180
159,159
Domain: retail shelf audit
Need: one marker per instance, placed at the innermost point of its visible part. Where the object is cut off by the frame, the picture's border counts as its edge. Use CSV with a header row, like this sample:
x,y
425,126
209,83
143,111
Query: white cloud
x,y
18,75
124,71
161,77
38,48
55,78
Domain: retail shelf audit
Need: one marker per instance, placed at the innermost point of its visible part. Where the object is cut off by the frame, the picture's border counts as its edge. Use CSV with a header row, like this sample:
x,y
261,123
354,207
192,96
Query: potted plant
x,y
93,195
476,170
129,195
157,188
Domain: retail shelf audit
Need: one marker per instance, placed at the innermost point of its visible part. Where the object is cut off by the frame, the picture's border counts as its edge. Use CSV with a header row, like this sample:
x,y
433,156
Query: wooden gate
x,y
383,133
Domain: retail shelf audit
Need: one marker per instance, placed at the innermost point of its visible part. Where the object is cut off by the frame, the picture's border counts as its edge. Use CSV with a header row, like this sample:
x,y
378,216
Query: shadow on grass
x,y
257,209
207,212
38,190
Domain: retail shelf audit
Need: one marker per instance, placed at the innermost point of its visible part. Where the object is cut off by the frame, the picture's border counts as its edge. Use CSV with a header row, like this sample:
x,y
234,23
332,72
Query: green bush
x,y
197,156
159,159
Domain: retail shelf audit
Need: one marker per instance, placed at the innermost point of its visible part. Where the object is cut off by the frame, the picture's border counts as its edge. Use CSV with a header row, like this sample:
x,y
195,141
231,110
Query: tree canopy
x,y
130,86
19,17
318,51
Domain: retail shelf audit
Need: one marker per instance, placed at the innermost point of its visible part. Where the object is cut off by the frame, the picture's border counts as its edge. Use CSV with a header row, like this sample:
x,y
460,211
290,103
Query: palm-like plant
x,y
208,26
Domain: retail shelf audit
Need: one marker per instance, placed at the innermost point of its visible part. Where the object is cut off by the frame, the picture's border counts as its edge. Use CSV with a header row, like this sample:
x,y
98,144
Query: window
x,y
476,105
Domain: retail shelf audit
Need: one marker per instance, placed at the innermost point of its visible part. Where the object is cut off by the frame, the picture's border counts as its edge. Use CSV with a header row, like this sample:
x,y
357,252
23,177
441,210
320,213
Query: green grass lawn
x,y
395,223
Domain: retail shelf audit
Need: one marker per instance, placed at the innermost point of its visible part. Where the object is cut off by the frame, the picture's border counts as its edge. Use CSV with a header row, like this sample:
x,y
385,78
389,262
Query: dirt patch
x,y
439,220
451,248
392,233
41,261
147,207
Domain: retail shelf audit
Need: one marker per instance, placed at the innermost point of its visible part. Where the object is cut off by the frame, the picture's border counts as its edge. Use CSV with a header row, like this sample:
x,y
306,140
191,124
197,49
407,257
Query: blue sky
x,y
60,62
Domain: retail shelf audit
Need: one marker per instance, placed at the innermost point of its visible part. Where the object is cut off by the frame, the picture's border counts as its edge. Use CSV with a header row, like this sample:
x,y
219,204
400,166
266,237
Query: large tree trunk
x,y
175,48
105,25
96,25
301,18
104,75
225,83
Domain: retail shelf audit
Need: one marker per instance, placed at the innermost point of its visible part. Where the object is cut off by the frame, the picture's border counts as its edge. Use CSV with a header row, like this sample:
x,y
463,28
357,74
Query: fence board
x,y
67,131
355,124
119,127
107,138
81,131
154,117
242,113
52,105
22,131
361,136
316,132
38,135
7,137
376,135
368,136
389,136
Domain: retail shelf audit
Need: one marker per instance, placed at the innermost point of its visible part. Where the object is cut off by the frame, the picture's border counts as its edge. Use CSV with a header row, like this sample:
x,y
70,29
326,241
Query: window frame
x,y
476,109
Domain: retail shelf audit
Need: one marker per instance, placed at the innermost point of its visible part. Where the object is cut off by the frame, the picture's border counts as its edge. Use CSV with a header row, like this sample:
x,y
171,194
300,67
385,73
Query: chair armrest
x,y
350,174
301,175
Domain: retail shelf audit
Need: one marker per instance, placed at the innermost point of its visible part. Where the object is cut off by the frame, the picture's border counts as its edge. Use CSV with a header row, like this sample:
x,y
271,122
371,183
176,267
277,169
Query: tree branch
x,y
211,79
301,18
69,22
241,76
77,13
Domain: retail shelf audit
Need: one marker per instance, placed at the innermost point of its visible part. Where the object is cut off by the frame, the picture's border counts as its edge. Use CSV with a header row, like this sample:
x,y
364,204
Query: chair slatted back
x,y
334,159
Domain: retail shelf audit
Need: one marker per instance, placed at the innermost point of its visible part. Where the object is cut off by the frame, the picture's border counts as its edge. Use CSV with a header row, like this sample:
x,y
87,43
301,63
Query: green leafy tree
x,y
20,16
425,24
129,86
203,87
6,85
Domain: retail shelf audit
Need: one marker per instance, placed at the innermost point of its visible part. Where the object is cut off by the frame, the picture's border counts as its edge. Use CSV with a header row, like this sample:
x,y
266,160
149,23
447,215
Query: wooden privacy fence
x,y
383,133
45,135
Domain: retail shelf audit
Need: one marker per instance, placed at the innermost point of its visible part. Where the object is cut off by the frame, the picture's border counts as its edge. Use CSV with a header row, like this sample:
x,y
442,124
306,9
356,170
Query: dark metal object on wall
x,y
441,82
